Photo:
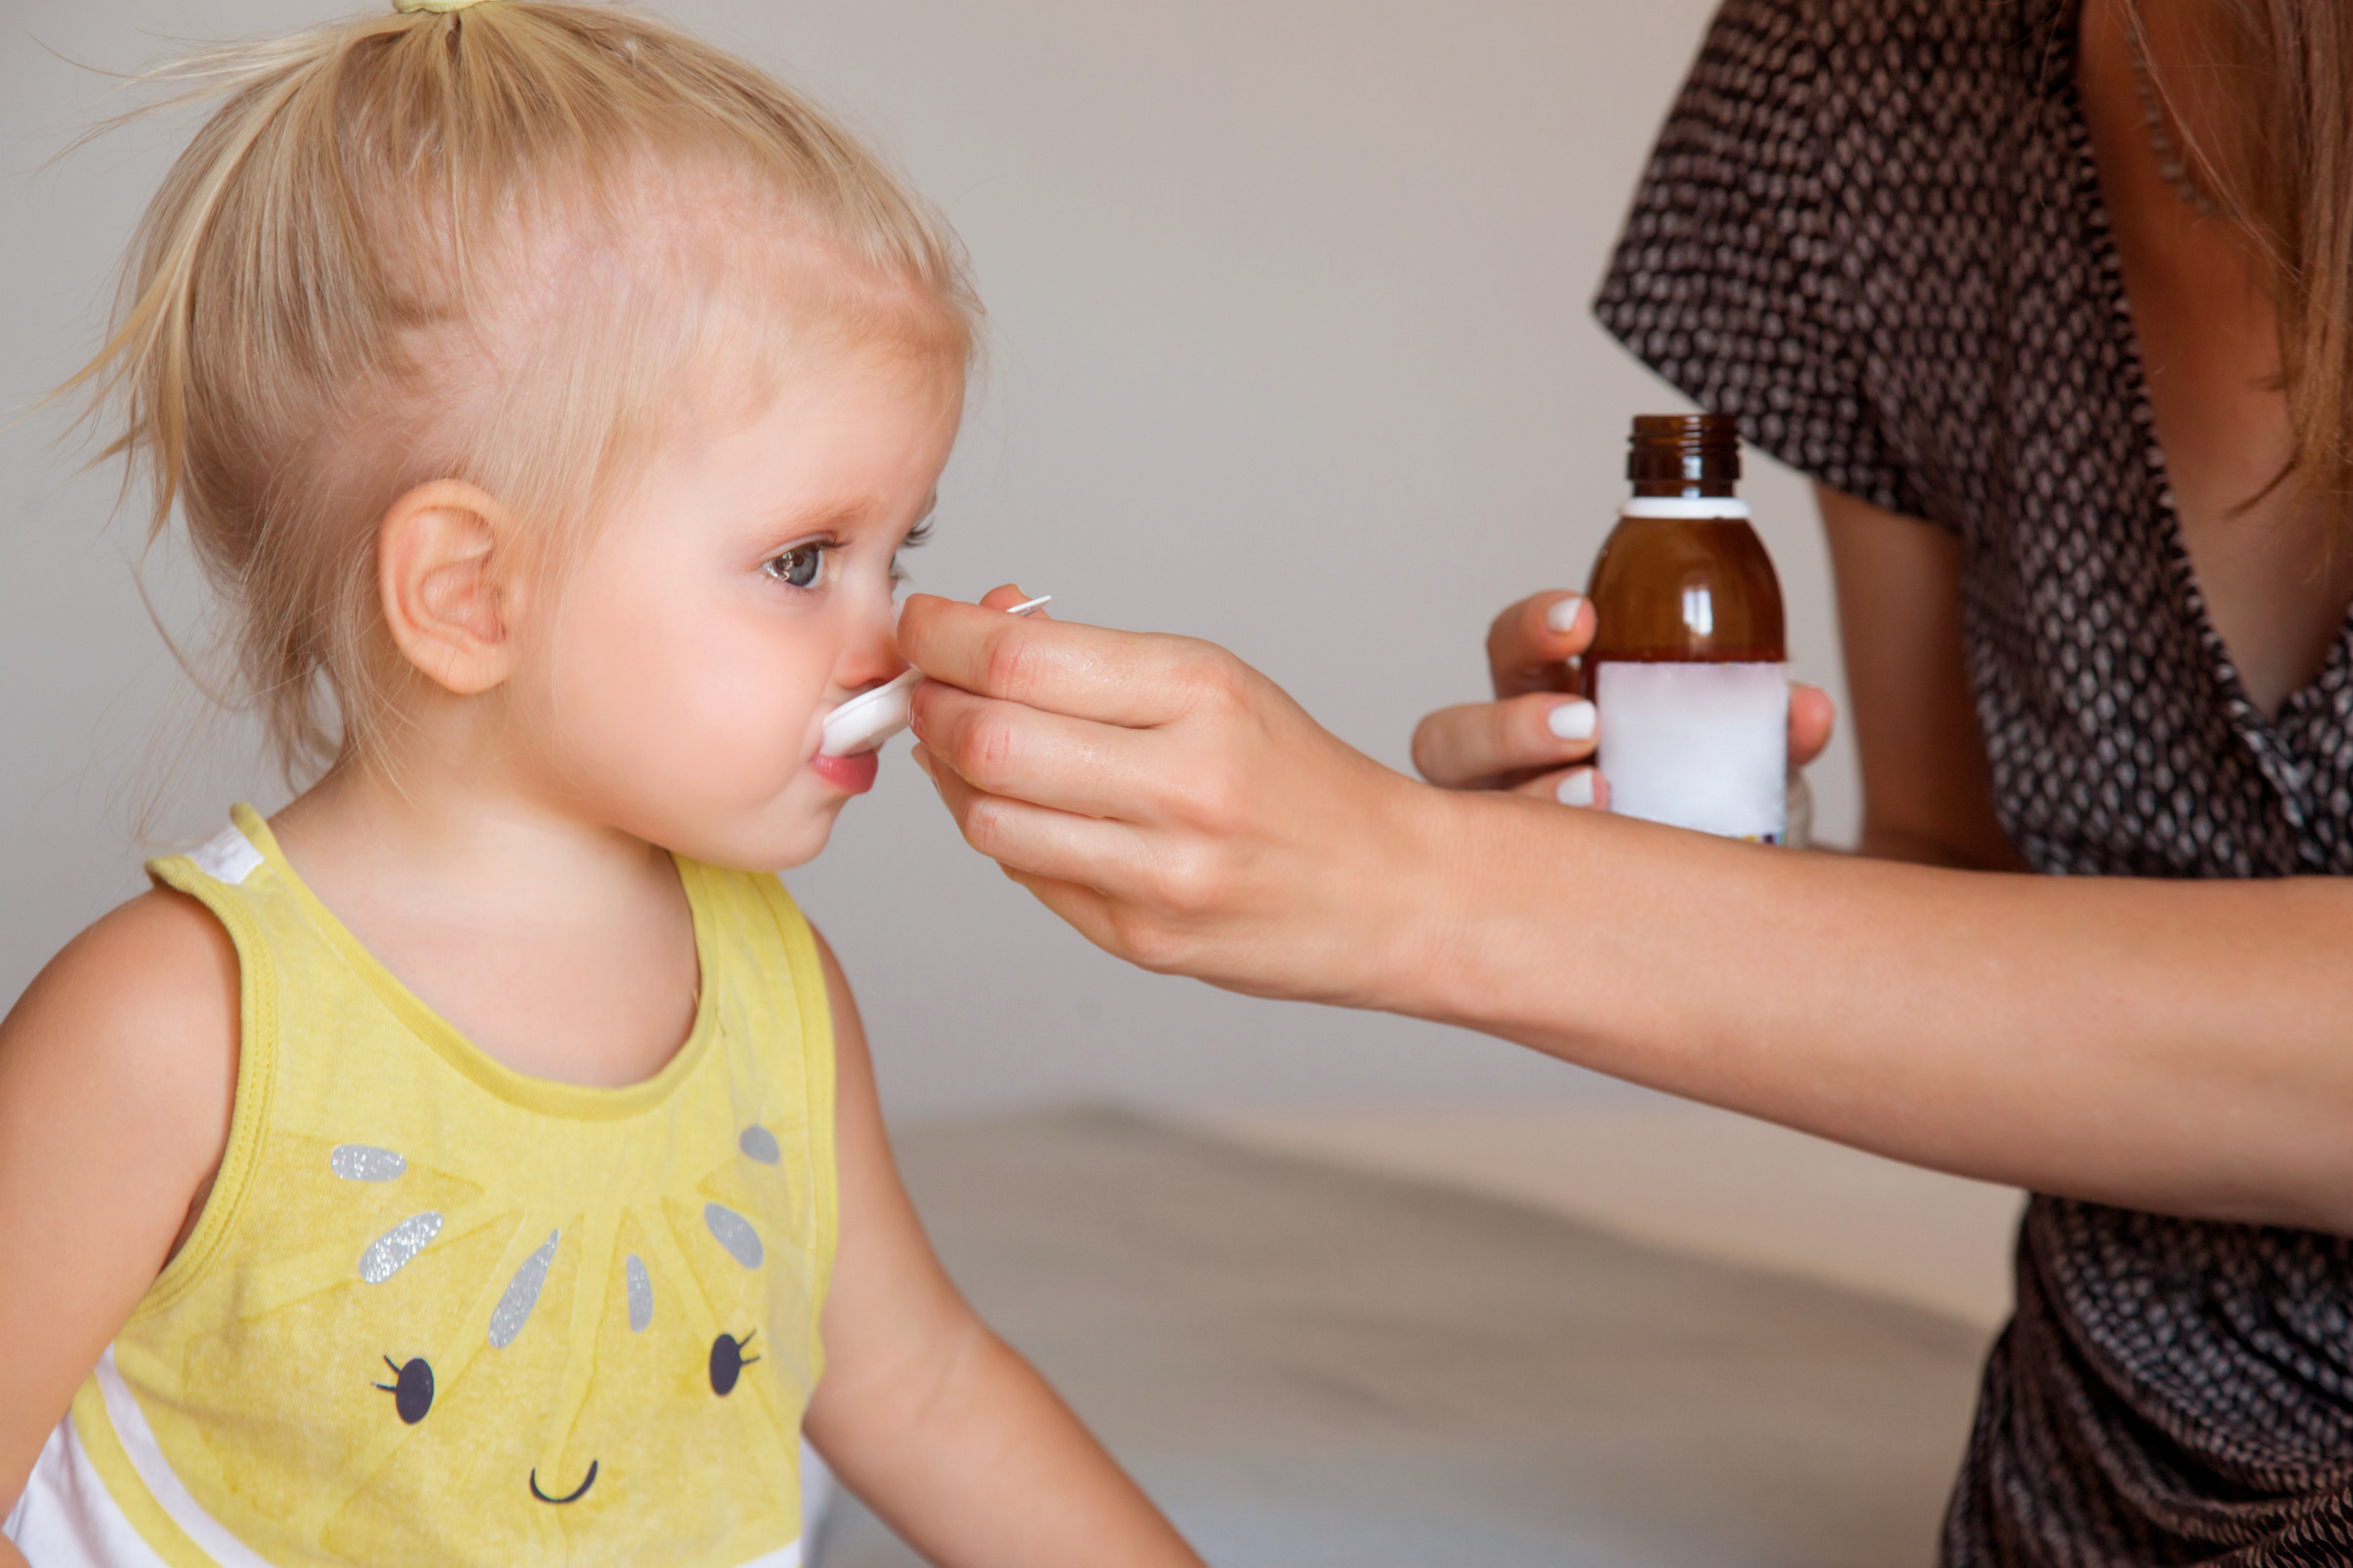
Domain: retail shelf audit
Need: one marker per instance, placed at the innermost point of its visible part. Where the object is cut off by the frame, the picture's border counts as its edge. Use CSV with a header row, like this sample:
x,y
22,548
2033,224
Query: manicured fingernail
x,y
1577,789
1562,617
1572,721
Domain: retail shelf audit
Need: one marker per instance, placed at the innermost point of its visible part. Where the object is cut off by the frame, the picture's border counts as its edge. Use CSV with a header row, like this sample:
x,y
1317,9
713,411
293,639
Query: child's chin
x,y
806,845
770,844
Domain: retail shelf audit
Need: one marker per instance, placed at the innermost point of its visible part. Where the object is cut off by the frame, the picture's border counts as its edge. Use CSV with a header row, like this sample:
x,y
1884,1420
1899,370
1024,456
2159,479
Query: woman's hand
x,y
1172,803
1535,737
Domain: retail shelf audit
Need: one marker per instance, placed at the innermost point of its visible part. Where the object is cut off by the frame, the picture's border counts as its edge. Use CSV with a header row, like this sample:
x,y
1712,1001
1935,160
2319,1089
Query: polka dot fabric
x,y
1872,229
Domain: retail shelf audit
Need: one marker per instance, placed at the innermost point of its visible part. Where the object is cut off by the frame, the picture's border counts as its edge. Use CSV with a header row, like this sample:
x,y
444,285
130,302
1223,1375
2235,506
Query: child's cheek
x,y
711,707
737,707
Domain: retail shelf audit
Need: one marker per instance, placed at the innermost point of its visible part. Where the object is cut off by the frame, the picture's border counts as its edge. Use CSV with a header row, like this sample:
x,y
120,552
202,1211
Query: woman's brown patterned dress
x,y
1872,229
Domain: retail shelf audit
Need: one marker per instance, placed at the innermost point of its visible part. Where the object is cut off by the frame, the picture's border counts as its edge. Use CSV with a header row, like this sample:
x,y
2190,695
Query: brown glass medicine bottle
x,y
1689,666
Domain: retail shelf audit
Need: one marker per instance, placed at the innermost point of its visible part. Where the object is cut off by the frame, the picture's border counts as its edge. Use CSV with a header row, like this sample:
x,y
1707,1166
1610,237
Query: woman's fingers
x,y
1812,715
1041,756
1087,672
1530,644
1089,912
1028,839
1483,745
1520,740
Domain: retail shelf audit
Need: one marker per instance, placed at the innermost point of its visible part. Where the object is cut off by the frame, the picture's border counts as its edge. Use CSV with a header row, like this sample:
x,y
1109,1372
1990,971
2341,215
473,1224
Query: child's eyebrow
x,y
834,515
821,516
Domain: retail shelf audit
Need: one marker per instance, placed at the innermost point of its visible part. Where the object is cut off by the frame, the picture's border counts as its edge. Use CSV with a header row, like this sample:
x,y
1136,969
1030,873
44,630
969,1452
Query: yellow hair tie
x,y
409,7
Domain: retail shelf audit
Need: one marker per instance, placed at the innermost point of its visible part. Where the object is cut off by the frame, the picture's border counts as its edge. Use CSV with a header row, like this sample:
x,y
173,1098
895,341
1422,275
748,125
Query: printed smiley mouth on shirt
x,y
577,1492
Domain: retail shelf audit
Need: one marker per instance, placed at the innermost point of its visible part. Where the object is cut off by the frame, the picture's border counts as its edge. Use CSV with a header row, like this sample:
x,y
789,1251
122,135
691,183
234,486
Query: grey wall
x,y
1291,352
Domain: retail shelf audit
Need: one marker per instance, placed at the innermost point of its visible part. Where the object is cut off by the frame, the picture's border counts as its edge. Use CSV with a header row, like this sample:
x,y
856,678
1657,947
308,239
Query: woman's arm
x,y
930,1418
117,1069
2174,1047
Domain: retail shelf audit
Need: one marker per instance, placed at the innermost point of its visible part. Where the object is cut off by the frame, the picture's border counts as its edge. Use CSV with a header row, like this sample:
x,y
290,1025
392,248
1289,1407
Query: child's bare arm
x,y
933,1420
117,1069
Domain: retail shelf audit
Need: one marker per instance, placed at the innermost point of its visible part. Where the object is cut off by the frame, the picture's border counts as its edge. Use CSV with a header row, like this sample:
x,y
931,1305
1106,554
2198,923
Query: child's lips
x,y
851,775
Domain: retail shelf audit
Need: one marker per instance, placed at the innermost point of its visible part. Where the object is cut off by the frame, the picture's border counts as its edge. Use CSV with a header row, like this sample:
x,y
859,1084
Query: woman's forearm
x,y
2181,1046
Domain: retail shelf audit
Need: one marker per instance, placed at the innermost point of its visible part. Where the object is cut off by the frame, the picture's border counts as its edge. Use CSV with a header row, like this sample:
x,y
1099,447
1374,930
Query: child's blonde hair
x,y
489,245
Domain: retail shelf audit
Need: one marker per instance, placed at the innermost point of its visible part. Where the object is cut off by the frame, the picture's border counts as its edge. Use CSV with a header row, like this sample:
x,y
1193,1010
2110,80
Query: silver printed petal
x,y
389,1253
359,1163
513,1309
735,1234
759,1143
641,1293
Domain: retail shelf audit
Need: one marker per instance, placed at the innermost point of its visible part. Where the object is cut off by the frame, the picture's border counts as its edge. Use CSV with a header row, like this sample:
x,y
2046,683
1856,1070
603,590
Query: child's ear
x,y
446,557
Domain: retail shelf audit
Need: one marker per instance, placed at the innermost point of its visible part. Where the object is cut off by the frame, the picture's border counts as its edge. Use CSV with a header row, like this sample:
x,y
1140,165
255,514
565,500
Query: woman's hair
x,y
503,245
2283,166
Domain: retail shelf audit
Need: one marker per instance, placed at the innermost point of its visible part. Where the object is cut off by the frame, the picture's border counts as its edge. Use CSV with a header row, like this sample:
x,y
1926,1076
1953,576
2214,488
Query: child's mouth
x,y
851,775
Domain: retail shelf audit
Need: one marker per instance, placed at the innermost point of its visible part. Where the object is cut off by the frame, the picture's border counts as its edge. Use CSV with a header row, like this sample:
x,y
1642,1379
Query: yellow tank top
x,y
437,1312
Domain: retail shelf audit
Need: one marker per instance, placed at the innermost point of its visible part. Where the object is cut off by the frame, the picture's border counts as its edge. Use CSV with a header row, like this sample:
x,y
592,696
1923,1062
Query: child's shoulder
x,y
159,965
130,1038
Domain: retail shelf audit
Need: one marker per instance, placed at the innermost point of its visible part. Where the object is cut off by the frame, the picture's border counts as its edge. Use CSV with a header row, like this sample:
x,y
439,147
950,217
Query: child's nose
x,y
871,651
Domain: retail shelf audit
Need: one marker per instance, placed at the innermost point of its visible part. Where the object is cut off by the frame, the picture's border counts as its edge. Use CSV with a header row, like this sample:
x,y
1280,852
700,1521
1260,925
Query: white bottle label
x,y
1703,746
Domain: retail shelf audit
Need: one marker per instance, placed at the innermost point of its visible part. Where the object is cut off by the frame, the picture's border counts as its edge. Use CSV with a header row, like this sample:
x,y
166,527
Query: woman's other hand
x,y
1173,804
1535,738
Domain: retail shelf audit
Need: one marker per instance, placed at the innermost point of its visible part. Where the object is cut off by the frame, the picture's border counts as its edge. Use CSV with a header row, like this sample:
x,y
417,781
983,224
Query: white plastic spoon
x,y
871,718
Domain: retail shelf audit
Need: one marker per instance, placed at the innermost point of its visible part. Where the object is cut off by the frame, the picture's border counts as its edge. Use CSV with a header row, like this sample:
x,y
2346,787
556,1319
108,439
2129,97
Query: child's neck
x,y
562,948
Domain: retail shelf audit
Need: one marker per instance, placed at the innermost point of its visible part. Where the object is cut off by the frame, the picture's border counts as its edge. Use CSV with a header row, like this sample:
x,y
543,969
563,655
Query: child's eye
x,y
798,567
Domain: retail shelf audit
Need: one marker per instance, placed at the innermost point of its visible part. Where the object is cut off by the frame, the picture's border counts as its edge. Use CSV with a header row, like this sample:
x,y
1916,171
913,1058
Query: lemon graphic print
x,y
438,1312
